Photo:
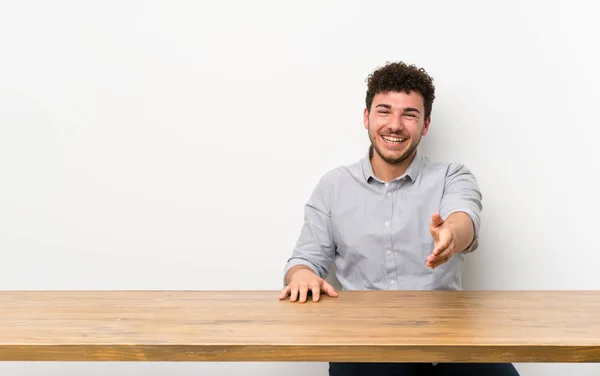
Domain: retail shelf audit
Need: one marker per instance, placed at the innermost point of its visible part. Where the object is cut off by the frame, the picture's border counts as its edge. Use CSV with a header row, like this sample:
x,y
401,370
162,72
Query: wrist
x,y
462,230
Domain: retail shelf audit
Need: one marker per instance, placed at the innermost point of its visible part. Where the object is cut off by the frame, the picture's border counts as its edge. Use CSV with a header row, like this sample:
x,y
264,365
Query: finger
x,y
294,293
439,262
442,246
316,291
284,293
329,289
303,293
443,254
433,260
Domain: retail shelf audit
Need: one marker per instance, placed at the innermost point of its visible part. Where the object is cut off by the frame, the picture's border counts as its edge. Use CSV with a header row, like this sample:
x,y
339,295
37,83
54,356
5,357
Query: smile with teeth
x,y
393,139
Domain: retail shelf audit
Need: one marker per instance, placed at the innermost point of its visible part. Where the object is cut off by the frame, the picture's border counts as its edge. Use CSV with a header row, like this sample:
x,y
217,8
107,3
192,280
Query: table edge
x,y
310,353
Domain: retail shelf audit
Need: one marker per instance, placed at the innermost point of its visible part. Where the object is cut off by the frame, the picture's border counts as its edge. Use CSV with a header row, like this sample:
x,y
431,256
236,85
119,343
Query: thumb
x,y
436,220
328,289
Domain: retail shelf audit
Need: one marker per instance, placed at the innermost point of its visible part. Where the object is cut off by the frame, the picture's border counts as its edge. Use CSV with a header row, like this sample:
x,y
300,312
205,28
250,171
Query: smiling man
x,y
395,220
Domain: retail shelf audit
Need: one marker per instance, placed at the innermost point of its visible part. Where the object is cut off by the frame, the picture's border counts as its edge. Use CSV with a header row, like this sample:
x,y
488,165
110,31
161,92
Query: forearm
x,y
315,247
463,229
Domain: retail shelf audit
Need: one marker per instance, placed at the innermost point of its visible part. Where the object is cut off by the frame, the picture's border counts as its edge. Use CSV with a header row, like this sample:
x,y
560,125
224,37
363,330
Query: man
x,y
394,220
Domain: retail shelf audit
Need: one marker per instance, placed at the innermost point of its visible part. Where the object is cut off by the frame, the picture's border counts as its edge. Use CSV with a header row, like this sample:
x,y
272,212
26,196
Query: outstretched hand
x,y
444,242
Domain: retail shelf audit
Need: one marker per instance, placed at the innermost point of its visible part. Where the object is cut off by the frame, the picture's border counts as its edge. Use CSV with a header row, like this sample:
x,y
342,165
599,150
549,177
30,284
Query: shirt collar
x,y
412,172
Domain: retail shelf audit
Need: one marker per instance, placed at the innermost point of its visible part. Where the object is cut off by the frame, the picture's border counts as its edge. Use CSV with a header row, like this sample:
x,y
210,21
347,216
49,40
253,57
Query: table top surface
x,y
256,326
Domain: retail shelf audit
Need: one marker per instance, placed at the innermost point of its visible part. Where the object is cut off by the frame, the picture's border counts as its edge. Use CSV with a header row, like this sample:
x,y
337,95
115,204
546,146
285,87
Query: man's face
x,y
396,123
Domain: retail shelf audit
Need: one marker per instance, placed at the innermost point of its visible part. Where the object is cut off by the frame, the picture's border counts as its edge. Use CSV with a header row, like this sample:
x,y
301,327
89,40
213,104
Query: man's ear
x,y
366,118
426,126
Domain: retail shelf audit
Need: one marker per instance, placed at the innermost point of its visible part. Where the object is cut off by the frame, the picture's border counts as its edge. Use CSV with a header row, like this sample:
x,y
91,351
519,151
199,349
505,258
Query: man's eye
x,y
410,115
383,112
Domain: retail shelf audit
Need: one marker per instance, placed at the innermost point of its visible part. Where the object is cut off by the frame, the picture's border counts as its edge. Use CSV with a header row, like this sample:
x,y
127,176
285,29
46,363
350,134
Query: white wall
x,y
172,145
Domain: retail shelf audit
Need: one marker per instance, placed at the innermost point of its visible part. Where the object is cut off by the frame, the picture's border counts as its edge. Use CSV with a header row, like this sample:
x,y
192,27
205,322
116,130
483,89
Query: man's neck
x,y
387,171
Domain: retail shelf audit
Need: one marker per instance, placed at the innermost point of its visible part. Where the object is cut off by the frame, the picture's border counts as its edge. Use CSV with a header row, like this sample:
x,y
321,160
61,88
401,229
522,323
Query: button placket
x,y
388,195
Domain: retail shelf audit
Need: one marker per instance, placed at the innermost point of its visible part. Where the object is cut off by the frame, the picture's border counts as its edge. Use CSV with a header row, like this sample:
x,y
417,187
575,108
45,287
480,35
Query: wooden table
x,y
374,326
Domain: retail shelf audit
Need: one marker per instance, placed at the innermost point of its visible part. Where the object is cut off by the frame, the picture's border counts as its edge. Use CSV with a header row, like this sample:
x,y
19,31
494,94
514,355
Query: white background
x,y
173,144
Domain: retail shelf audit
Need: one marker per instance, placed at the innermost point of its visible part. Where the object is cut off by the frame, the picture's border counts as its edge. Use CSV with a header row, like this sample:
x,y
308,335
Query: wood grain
x,y
373,326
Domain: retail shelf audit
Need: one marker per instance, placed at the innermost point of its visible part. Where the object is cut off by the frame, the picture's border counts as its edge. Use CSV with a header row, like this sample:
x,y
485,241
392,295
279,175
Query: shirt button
x,y
389,194
387,223
392,281
387,184
389,252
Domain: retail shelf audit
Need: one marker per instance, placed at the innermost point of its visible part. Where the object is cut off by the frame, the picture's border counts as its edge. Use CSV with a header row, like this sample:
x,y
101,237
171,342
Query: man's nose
x,y
396,124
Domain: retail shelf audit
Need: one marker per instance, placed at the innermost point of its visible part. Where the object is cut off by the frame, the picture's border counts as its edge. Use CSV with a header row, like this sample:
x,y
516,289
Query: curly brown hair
x,y
398,76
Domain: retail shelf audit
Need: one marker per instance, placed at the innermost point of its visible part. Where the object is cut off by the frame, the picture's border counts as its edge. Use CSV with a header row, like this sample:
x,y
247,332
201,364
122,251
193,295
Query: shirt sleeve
x,y
315,246
462,194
